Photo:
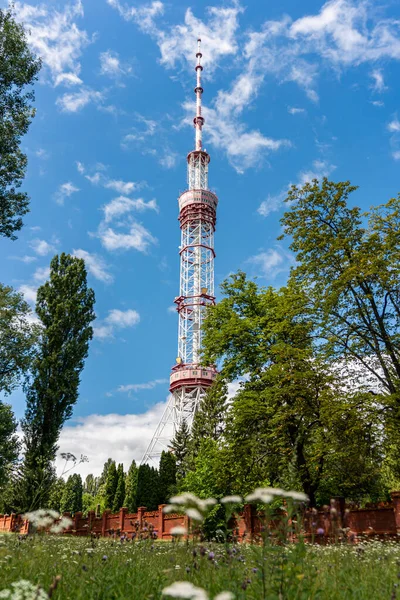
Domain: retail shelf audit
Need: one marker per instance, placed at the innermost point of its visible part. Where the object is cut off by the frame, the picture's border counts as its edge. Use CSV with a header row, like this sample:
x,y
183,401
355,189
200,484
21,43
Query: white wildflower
x,y
185,589
185,498
63,524
170,508
224,596
178,530
297,496
205,504
24,590
260,495
194,514
231,500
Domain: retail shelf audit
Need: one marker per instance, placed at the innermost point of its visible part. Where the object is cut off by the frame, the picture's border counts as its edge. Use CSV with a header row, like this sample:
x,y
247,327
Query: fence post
x,y
90,517
140,511
104,522
77,516
396,508
248,521
161,520
122,513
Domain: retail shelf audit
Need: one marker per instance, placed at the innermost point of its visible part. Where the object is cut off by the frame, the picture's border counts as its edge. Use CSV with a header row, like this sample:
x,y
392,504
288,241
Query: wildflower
x,y
224,596
178,530
104,557
211,556
320,531
170,508
63,524
260,495
194,514
185,589
24,590
297,496
231,500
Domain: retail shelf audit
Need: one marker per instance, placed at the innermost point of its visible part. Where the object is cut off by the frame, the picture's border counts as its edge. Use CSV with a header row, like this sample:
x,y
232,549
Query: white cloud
x,y
122,187
396,155
145,128
394,126
76,101
99,437
172,309
41,274
271,204
95,265
169,160
43,154
111,66
122,205
143,15
271,262
81,167
319,169
116,319
56,38
41,247
294,110
25,259
378,103
65,191
378,81
137,238
136,387
29,292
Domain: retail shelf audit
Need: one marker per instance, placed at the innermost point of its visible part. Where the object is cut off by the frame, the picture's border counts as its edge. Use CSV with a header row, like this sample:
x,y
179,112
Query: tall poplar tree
x,y
147,493
120,491
167,477
65,308
131,488
19,69
111,485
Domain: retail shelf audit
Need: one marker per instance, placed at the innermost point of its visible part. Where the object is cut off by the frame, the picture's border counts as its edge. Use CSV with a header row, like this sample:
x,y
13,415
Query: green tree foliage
x,y
348,268
131,488
65,309
91,485
56,494
147,487
120,491
71,500
209,420
17,338
277,426
111,485
180,447
167,477
19,69
9,444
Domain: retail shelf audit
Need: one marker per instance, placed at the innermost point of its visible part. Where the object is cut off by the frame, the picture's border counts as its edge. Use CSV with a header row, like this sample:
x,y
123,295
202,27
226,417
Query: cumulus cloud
x,y
294,110
271,262
116,319
144,129
99,437
41,274
111,66
396,155
99,178
95,264
394,126
378,84
65,191
29,292
75,101
42,247
137,237
122,205
55,36
25,259
137,387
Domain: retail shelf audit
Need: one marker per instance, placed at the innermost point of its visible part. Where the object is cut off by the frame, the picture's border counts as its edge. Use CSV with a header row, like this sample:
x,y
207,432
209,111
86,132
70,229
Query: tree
x,y
111,485
147,487
91,485
56,494
167,477
9,444
120,491
209,419
180,447
348,267
18,68
280,428
71,500
17,338
65,308
131,488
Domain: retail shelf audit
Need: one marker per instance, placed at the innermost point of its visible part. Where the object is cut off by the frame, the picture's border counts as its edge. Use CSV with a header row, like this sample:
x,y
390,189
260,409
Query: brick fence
x,y
380,520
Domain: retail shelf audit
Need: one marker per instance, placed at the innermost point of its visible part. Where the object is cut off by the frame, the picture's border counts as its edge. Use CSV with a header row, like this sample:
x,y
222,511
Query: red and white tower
x,y
197,216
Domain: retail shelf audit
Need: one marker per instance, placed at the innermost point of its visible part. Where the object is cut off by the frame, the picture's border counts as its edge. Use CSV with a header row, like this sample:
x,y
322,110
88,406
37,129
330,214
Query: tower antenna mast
x,y
189,380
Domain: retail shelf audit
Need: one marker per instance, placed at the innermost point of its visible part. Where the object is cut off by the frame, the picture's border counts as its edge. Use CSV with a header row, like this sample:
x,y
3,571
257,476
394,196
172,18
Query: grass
x,y
107,569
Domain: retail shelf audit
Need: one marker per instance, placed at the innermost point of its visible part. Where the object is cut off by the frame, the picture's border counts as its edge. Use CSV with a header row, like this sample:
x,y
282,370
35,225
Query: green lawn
x,y
106,569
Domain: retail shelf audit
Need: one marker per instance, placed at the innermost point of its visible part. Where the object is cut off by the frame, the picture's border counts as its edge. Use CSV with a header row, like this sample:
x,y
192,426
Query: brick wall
x,y
379,520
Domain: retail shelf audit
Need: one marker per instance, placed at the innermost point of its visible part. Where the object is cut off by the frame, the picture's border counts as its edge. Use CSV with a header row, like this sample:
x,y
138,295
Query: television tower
x,y
197,217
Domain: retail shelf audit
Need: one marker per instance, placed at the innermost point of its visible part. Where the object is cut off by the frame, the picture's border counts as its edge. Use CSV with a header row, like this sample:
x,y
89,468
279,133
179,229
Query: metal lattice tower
x,y
197,216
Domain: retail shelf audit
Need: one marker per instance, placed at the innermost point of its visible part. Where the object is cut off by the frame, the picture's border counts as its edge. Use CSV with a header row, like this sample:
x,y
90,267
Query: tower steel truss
x,y
197,216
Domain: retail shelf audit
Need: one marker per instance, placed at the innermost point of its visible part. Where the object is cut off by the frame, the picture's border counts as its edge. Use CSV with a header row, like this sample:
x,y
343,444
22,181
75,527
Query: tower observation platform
x,y
189,380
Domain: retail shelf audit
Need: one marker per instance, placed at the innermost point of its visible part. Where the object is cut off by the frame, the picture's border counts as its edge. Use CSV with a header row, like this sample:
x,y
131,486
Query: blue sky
x,y
291,91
